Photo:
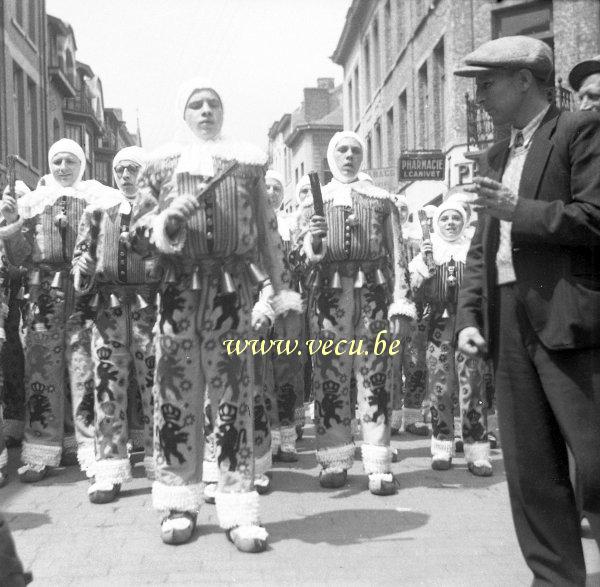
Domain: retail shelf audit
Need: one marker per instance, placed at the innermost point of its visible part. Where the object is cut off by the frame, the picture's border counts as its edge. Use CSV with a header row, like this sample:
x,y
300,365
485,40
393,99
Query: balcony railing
x,y
80,103
481,131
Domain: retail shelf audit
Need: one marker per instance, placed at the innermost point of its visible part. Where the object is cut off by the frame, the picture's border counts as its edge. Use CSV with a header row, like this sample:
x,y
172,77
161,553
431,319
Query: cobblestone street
x,y
441,528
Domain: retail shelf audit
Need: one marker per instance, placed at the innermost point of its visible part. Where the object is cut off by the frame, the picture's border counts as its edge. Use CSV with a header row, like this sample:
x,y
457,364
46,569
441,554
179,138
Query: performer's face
x,y
589,93
274,192
304,192
348,156
403,214
500,94
65,168
127,173
204,114
450,224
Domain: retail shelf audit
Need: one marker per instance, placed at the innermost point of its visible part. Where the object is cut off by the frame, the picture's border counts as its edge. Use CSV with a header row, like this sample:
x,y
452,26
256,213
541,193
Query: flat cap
x,y
582,70
517,52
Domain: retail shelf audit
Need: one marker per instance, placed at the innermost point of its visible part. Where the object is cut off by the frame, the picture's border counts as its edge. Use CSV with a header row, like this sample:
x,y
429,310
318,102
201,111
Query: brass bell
x,y
380,277
157,300
227,285
57,280
141,303
359,281
257,273
21,293
446,314
94,302
171,276
35,277
114,301
336,281
196,281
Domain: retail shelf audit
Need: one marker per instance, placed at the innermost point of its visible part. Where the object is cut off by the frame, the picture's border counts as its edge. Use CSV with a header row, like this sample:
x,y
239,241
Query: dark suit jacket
x,y
555,236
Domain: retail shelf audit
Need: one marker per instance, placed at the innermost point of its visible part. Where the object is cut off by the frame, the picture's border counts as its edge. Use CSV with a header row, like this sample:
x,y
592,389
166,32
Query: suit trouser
x,y
57,364
191,361
546,398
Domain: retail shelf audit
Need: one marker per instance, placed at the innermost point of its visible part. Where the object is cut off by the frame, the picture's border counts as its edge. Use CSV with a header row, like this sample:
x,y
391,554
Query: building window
x,y
32,21
390,136
403,121
101,172
401,24
367,64
19,111
369,152
423,107
70,66
296,176
87,145
34,130
55,130
356,93
73,132
376,55
350,103
19,17
389,43
301,169
439,88
533,19
377,155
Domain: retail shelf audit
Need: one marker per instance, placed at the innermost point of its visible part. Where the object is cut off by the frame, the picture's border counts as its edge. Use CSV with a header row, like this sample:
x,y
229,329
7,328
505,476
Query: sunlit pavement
x,y
441,528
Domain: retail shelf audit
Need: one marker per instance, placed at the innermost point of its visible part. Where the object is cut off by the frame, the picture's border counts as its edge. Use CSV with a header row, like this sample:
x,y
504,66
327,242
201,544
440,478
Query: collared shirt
x,y
511,178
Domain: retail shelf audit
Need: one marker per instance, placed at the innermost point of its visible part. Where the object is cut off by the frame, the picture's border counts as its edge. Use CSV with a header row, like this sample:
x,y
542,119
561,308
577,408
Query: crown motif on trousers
x,y
227,413
38,387
170,412
330,386
377,379
104,353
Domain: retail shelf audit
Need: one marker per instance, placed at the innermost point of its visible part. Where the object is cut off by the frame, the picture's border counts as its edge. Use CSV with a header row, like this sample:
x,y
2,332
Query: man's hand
x,y
9,209
261,325
471,343
86,265
317,227
400,327
493,198
180,209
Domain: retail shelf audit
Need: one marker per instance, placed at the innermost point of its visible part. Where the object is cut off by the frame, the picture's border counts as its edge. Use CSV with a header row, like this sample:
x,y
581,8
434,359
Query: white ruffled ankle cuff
x,y
210,471
477,452
69,443
376,459
396,419
263,464
183,498
341,457
288,439
252,532
150,467
442,448
412,416
41,454
275,441
3,458
300,416
112,471
237,509
381,477
86,456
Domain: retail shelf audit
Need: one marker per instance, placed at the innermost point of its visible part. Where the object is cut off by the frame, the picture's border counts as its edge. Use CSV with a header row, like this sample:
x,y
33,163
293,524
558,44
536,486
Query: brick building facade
x,y
398,57
298,141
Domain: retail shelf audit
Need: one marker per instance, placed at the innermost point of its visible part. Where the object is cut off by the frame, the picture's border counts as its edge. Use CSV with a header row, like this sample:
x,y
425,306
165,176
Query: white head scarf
x,y
401,201
134,154
444,248
66,146
362,176
273,174
333,143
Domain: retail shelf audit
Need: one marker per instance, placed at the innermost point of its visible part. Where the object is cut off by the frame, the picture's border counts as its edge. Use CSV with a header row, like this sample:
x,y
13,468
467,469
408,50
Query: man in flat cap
x,y
531,298
585,80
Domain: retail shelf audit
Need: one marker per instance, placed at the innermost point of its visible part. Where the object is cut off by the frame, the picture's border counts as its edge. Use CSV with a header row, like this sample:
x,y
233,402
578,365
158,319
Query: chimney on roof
x,y
325,83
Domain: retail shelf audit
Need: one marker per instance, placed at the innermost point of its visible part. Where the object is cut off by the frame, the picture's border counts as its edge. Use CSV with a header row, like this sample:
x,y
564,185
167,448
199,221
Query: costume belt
x,y
328,274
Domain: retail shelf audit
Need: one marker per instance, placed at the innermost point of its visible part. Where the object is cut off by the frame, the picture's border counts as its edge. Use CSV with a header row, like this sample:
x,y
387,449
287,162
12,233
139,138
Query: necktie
x,y
519,141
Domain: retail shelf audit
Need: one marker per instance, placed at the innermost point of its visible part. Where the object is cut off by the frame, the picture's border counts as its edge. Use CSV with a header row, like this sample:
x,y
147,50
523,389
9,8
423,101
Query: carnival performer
x,y
40,232
218,242
437,272
123,288
356,297
409,366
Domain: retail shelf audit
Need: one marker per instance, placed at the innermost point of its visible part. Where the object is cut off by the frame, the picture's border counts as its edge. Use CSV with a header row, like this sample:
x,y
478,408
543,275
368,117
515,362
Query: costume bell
x,y
218,242
123,289
41,235
456,384
353,294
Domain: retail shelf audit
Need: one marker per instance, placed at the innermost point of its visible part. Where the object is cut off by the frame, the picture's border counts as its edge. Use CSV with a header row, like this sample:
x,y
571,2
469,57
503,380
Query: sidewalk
x,y
441,529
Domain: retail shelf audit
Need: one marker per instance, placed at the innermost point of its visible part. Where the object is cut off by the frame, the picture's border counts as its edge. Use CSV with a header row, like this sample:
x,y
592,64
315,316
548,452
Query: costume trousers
x,y
57,361
265,407
135,412
13,367
411,366
192,361
356,316
546,399
456,385
121,338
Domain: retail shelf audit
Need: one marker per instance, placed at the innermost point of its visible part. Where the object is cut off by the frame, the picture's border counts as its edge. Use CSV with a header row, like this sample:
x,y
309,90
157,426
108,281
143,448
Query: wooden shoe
x,y
177,527
287,456
480,468
441,463
103,492
299,432
68,459
210,490
262,484
382,484
32,473
248,538
333,478
418,429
